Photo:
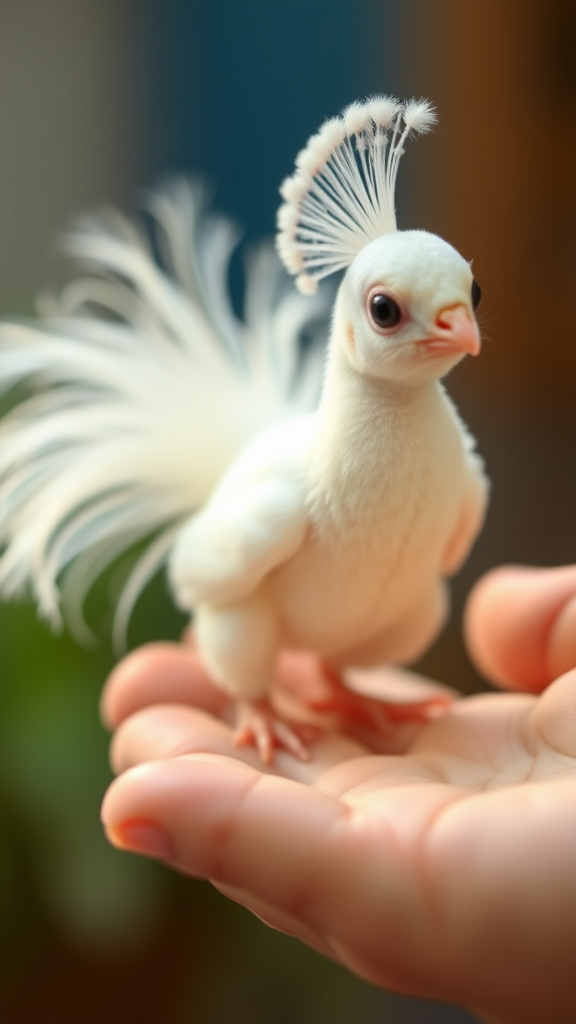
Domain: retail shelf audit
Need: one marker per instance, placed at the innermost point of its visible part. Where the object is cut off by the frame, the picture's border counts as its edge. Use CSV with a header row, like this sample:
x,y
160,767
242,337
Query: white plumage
x,y
342,194
132,366
158,414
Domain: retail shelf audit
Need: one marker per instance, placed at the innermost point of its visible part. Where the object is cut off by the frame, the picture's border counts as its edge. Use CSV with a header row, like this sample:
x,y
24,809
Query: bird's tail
x,y
135,392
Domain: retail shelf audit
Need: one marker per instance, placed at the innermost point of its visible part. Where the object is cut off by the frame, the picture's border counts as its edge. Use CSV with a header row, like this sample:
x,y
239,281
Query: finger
x,y
518,625
273,838
562,640
159,673
167,731
153,842
555,715
345,875
225,820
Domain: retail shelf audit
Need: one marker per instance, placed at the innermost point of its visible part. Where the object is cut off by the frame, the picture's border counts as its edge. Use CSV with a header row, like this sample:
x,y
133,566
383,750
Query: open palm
x,y
444,869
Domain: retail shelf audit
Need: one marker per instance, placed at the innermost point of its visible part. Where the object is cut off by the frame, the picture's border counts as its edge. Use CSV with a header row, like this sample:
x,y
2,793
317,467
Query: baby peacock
x,y
158,414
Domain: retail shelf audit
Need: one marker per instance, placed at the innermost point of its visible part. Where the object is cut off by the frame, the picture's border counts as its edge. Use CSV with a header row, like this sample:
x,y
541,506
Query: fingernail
x,y
142,836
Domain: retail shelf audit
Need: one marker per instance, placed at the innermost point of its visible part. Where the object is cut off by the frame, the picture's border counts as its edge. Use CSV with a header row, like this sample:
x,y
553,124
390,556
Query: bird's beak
x,y
456,333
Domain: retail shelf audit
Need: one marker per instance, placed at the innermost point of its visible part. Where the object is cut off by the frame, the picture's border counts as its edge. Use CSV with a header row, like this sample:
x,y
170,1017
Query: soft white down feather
x,y
330,529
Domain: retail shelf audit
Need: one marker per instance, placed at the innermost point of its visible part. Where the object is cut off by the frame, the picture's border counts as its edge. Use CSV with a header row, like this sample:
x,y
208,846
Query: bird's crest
x,y
341,196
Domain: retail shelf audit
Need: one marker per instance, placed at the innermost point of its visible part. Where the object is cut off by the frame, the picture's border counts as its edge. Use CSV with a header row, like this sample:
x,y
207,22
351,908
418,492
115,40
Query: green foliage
x,y
53,773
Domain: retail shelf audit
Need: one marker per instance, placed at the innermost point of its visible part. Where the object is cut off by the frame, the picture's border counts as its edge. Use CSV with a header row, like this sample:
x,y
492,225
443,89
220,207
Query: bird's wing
x,y
473,505
256,520
145,388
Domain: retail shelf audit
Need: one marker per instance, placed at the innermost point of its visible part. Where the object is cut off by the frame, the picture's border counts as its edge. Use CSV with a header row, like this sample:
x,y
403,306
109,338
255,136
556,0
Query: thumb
x,y
520,625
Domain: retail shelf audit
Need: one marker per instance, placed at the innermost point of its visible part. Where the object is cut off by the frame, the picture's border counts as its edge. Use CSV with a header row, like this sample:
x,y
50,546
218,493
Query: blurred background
x,y
98,99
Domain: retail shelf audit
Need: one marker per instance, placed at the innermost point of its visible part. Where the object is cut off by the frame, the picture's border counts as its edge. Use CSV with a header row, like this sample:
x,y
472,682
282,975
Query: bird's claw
x,y
257,723
380,714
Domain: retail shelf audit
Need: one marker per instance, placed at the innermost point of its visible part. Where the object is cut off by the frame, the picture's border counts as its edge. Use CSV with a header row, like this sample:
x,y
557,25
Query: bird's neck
x,y
368,429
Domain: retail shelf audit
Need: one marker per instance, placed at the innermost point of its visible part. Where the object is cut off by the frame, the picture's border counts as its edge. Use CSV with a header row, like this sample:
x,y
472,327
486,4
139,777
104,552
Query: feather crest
x,y
342,194
143,387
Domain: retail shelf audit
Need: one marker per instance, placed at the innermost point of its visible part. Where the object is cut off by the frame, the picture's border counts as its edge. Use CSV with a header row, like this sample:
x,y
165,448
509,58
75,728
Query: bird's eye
x,y
384,311
476,294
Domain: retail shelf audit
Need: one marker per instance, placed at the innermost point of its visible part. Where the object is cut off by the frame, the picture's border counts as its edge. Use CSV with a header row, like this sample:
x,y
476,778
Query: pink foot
x,y
259,724
380,714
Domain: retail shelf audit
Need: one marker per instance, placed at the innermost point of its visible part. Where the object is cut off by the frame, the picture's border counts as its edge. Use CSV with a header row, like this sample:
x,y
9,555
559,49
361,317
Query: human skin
x,y
439,863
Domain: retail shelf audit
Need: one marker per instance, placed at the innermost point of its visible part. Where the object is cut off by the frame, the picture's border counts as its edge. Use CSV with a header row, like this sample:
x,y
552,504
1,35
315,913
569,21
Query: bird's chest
x,y
389,509
379,524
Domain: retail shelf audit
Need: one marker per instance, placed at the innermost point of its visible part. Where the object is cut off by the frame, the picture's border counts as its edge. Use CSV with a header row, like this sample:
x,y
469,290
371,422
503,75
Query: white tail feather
x,y
146,386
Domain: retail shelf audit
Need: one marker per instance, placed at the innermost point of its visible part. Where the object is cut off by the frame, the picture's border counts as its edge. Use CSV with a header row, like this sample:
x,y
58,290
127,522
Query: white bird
x,y
331,529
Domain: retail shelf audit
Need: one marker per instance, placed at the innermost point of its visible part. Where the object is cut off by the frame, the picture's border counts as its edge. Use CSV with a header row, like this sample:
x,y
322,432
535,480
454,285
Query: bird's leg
x,y
258,723
239,643
378,712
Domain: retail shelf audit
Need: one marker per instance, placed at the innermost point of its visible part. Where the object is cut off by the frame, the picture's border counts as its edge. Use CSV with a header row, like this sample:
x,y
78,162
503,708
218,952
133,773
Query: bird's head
x,y
406,308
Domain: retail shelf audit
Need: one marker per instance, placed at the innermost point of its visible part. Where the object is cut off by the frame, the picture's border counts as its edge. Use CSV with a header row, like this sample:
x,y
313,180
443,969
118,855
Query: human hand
x,y
445,870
